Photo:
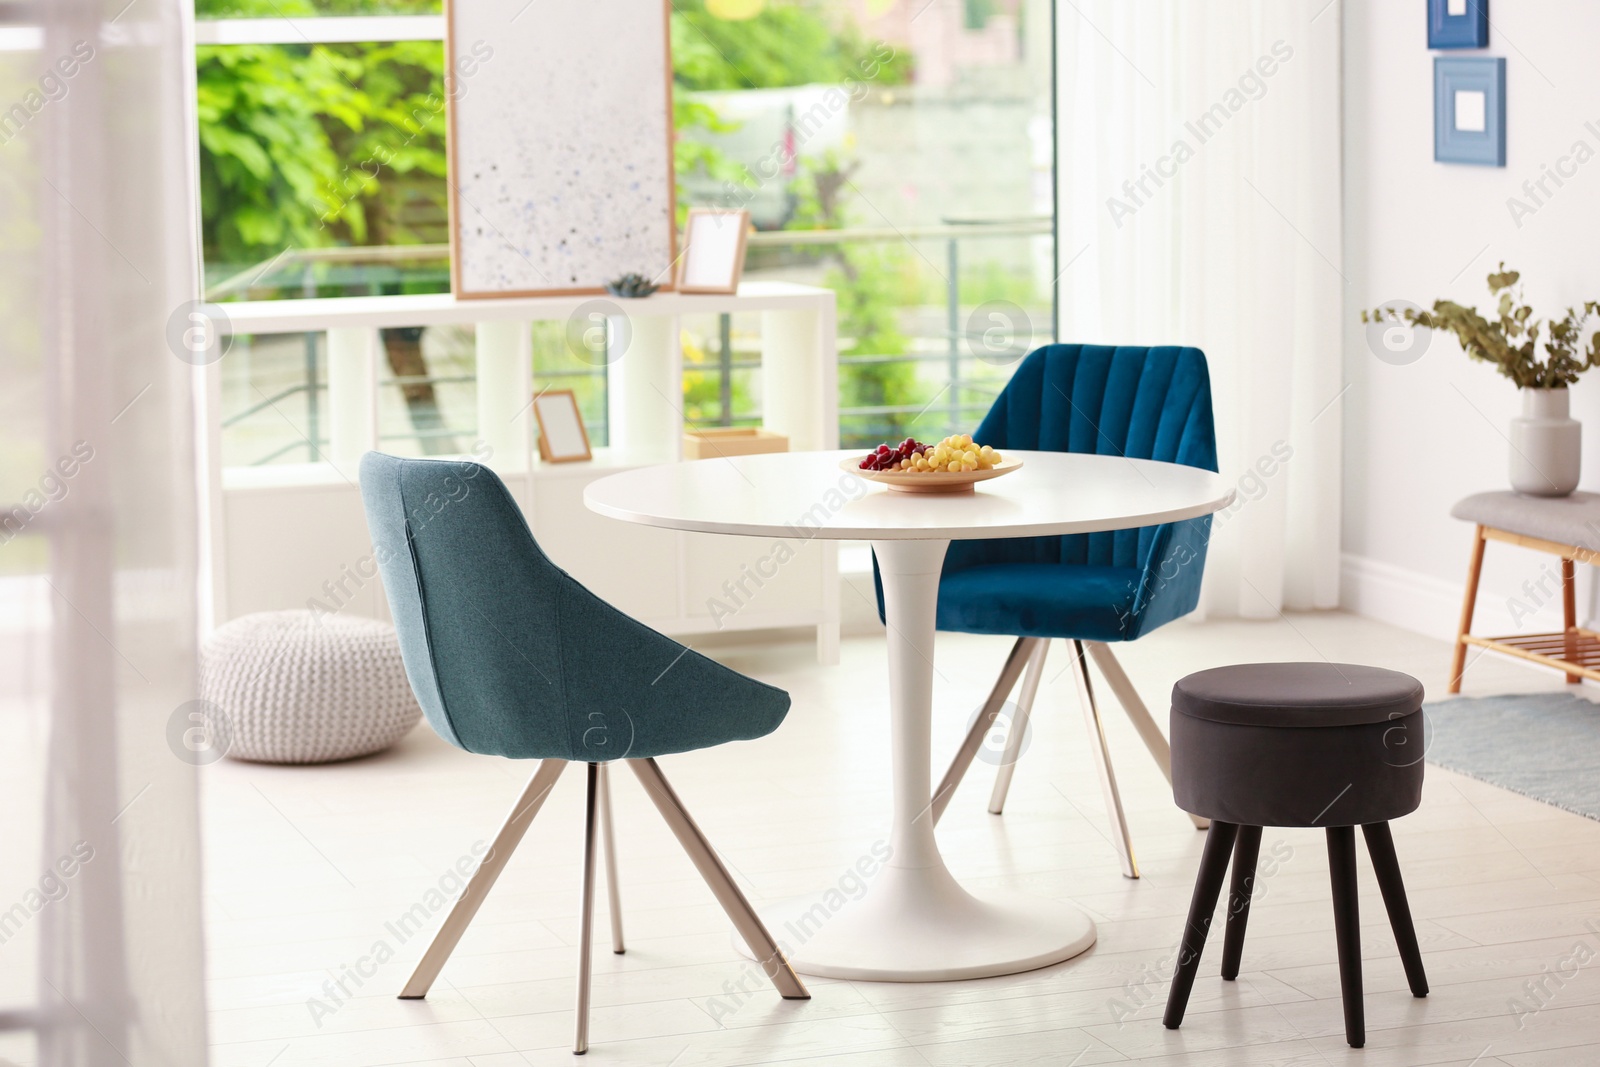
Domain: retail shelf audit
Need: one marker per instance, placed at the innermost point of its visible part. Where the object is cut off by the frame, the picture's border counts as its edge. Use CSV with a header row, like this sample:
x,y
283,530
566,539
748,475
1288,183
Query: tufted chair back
x,y
1145,403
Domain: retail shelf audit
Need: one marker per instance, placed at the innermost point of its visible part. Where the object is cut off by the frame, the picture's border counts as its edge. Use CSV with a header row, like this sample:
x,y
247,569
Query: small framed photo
x,y
713,251
1458,23
562,438
1469,111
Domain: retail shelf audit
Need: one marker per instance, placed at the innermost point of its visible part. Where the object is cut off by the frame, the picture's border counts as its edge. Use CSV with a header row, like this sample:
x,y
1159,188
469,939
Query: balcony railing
x,y
960,401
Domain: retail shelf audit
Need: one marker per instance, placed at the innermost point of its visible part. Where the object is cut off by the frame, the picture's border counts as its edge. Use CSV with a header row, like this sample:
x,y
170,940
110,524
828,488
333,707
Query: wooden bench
x,y
1567,527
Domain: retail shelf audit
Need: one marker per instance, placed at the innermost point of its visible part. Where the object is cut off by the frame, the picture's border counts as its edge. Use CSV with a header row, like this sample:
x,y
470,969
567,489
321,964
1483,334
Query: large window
x,y
897,151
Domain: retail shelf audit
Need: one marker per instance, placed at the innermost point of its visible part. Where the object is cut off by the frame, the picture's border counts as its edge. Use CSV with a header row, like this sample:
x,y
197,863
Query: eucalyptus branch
x,y
1510,341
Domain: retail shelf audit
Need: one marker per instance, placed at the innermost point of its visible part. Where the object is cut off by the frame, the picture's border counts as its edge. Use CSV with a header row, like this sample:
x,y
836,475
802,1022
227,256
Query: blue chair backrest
x,y
511,656
475,602
1145,403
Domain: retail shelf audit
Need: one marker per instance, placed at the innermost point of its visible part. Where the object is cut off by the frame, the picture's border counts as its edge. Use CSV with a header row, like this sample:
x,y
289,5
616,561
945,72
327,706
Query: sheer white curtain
x,y
100,950
1200,204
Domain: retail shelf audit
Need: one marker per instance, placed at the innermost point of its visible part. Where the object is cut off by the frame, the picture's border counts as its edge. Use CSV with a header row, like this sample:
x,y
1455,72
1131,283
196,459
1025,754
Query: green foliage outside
x,y
313,146
786,44
872,283
308,146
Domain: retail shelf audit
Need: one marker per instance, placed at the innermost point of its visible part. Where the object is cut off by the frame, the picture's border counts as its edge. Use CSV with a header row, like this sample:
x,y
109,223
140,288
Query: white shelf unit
x,y
286,535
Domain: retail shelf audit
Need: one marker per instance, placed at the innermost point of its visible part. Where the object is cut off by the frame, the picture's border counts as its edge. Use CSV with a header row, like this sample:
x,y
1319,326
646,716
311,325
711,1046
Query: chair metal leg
x,y
1019,726
1246,851
483,879
1347,929
1102,755
608,838
728,894
580,1042
980,727
1138,714
1207,887
1386,865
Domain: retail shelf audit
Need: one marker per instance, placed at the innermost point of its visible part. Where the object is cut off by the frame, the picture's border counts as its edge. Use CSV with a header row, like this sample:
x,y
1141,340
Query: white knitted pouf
x,y
293,687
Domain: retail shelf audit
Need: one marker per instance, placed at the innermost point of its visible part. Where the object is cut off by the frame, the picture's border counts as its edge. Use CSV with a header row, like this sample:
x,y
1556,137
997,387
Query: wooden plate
x,y
930,482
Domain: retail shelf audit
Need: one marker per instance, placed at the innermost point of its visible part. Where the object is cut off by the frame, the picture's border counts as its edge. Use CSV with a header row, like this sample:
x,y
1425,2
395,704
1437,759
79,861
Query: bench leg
x,y
1207,887
1246,851
1386,865
1459,662
1569,614
1347,929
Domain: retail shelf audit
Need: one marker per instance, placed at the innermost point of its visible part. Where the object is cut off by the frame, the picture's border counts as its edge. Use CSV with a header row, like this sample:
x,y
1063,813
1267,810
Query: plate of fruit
x,y
954,465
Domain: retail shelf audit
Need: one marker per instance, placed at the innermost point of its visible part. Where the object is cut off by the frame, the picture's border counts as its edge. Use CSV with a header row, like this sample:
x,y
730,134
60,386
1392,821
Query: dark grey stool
x,y
1297,744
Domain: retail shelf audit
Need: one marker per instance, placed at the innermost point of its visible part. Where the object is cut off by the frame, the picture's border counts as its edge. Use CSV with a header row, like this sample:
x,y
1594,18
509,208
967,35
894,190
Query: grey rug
x,y
1542,745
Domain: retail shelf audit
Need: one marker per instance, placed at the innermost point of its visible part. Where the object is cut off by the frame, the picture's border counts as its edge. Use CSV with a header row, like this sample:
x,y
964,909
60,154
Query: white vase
x,y
1545,444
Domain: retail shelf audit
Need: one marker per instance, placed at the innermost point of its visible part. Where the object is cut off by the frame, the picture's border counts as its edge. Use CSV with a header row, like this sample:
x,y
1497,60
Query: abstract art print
x,y
561,173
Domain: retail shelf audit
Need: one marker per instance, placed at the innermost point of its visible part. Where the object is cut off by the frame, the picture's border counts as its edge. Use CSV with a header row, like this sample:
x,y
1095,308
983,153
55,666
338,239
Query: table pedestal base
x,y
916,924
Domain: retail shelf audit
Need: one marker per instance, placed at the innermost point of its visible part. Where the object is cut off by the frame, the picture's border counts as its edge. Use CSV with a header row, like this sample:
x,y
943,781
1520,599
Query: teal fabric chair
x,y
1092,590
510,656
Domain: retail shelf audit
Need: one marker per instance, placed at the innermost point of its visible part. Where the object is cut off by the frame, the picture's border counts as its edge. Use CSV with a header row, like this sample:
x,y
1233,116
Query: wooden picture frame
x,y
713,250
560,141
561,429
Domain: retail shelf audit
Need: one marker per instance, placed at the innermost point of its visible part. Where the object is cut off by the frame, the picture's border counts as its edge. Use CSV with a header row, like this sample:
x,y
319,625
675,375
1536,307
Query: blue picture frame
x,y
1469,111
1467,27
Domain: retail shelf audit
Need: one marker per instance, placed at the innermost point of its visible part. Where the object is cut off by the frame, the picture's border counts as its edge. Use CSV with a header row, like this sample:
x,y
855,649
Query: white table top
x,y
805,494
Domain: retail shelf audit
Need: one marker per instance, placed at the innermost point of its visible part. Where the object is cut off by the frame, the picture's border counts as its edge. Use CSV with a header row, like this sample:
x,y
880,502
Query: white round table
x,y
914,923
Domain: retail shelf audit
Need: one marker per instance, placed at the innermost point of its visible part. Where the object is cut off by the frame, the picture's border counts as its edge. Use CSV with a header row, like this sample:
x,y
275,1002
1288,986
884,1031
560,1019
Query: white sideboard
x,y
293,535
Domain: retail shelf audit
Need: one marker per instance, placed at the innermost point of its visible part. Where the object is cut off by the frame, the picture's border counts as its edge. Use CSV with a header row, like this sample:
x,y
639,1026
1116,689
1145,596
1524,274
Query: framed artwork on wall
x,y
713,251
1458,23
560,141
1469,111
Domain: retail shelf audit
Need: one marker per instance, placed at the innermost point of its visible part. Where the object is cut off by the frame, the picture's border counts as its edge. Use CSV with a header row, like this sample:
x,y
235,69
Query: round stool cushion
x,y
307,687
1297,744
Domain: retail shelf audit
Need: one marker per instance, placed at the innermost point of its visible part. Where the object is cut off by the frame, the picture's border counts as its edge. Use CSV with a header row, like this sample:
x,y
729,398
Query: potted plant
x,y
1545,440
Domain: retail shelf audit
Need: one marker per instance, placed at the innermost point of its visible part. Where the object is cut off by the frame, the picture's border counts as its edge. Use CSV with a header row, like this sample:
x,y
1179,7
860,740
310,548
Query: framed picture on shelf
x,y
562,438
1469,111
713,251
1458,23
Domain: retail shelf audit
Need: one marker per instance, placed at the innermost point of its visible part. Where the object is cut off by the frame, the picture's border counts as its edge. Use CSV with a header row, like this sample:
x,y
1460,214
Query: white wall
x,y
1419,437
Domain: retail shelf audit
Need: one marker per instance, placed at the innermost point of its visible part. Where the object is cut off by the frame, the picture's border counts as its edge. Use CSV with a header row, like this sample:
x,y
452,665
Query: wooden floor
x,y
309,871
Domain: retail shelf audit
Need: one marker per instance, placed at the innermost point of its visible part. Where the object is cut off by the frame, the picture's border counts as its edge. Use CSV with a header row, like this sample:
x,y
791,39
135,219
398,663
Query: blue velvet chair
x,y
1092,589
510,656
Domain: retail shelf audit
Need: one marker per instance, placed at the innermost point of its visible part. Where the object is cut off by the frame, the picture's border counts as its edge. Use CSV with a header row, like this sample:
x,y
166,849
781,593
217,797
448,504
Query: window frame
x,y
318,29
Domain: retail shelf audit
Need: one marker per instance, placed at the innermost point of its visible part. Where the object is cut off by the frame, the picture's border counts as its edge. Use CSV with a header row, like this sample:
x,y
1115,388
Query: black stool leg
x,y
1347,929
1207,887
1246,850
1380,846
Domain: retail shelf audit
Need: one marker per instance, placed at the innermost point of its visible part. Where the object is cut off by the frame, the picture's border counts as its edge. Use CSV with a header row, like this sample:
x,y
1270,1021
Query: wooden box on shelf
x,y
732,441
